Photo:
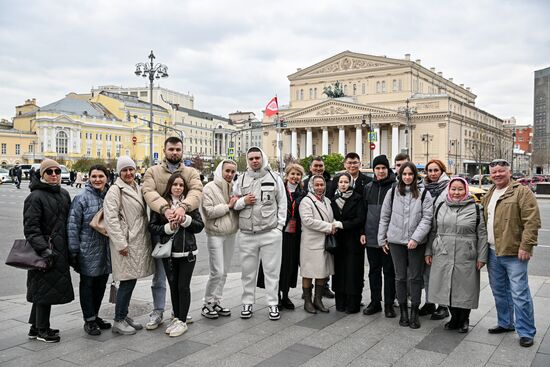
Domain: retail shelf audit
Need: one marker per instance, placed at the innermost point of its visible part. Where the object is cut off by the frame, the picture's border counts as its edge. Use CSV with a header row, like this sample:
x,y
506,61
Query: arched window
x,y
383,86
61,142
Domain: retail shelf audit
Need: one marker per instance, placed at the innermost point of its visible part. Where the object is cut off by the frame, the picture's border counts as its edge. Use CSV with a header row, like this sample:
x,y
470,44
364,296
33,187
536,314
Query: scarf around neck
x,y
341,197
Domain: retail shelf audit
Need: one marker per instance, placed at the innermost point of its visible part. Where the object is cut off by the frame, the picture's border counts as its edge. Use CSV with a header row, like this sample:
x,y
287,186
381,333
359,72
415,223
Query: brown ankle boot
x,y
318,301
308,305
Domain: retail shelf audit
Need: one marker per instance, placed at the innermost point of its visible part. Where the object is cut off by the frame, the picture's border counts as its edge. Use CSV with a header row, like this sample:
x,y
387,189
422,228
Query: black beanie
x,y
381,159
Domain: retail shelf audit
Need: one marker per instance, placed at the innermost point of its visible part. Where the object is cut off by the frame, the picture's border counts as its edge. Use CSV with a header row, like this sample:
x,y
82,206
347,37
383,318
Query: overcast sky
x,y
235,55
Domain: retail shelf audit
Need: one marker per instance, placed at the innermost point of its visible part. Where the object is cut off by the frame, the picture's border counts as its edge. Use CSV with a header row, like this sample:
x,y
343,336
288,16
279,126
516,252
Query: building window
x,y
61,142
315,93
394,86
383,86
143,93
17,149
31,148
4,148
310,93
301,95
88,150
345,89
363,89
354,89
378,87
98,152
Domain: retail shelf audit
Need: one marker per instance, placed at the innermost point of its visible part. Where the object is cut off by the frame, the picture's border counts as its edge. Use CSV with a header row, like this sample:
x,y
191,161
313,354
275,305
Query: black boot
x,y
327,293
308,305
440,313
286,302
427,309
372,308
389,312
404,318
318,300
415,321
464,325
455,319
340,300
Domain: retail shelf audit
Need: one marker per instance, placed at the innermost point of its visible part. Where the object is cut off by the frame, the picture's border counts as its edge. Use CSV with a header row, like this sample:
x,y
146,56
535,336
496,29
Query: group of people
x,y
418,234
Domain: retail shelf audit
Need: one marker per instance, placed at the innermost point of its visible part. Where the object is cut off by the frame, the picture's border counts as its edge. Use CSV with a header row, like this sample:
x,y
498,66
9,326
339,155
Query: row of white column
x,y
342,141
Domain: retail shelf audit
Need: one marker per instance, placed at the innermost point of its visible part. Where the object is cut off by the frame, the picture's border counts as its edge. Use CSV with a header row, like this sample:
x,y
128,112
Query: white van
x,y
65,174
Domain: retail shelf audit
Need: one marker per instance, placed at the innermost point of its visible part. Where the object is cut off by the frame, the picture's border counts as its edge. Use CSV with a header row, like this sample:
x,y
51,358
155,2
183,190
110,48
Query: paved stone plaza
x,y
298,339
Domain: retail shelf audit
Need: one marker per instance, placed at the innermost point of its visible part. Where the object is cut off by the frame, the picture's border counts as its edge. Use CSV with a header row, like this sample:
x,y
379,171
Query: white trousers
x,y
220,253
266,247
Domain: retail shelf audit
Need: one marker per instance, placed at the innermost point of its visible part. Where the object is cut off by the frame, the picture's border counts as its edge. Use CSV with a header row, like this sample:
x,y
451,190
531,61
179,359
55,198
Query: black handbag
x,y
23,256
331,245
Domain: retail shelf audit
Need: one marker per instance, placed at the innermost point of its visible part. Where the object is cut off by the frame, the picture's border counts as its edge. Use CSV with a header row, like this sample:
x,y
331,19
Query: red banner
x,y
272,107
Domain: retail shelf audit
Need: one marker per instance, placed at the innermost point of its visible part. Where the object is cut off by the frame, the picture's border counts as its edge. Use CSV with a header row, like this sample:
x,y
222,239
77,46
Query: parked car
x,y
517,175
4,176
65,175
485,180
25,168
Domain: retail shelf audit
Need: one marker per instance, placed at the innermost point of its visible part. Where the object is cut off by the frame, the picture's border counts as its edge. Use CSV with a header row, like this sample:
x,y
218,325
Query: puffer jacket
x,y
127,225
373,198
219,219
45,214
154,185
89,246
517,220
409,219
184,238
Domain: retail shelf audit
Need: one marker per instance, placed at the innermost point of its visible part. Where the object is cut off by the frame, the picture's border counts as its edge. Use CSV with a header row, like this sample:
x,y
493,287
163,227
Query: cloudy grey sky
x,y
235,55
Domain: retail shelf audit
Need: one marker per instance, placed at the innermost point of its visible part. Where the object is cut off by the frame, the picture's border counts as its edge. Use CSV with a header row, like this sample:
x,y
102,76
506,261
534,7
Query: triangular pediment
x,y
336,107
63,118
346,62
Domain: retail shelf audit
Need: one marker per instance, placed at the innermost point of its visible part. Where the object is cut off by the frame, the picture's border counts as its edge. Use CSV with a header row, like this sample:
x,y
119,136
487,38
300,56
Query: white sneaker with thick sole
x,y
132,323
179,328
123,328
155,319
222,311
209,312
246,312
171,325
274,313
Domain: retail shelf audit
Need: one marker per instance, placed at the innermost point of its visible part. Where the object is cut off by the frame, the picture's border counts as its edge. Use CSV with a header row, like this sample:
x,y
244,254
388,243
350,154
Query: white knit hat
x,y
123,162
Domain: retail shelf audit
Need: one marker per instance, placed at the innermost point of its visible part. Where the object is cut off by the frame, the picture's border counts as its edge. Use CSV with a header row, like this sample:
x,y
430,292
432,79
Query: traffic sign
x,y
373,136
372,146
156,155
134,140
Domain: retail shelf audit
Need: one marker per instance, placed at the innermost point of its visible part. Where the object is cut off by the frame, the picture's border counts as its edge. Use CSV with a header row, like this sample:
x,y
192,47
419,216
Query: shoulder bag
x,y
98,221
331,245
163,250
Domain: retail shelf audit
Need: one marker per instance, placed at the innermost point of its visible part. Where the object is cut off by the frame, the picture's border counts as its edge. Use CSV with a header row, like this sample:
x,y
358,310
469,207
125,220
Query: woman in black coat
x,y
45,216
349,259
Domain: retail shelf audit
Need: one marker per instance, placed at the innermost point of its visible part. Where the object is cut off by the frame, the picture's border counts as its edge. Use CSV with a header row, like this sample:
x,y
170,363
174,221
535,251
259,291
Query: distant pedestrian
x,y
456,252
221,225
79,180
405,222
129,240
89,250
112,177
513,220
179,266
72,176
44,220
17,174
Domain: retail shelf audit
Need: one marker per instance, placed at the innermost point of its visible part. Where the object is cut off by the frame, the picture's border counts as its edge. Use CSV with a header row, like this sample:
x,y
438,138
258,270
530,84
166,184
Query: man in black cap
x,y
379,262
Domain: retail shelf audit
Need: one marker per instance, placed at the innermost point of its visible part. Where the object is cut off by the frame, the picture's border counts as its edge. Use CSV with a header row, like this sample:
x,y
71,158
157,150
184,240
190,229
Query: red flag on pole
x,y
272,107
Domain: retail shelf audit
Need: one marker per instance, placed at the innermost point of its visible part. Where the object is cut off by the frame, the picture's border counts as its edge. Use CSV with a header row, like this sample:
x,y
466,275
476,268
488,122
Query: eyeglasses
x,y
499,162
353,163
50,171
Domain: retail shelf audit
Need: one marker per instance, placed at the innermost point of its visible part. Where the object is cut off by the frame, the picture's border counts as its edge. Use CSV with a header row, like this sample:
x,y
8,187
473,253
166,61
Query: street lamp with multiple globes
x,y
153,71
369,131
408,112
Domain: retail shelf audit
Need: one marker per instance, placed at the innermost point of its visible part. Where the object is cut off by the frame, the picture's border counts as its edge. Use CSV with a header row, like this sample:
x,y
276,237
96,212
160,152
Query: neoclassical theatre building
x,y
384,105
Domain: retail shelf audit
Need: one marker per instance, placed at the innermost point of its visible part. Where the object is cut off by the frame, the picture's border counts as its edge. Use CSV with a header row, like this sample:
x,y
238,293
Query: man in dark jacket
x,y
17,174
373,197
352,164
317,167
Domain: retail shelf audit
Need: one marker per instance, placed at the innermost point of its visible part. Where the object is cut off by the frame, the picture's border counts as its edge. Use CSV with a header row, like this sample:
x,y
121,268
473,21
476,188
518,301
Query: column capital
x,y
358,127
341,127
395,124
308,129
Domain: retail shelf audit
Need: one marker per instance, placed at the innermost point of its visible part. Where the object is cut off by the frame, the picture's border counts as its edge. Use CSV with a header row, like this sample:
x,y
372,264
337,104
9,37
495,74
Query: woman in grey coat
x,y
89,249
405,222
457,250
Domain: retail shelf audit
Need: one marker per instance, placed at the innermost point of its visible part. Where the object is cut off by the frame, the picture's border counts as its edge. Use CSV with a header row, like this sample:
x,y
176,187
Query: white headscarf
x,y
227,187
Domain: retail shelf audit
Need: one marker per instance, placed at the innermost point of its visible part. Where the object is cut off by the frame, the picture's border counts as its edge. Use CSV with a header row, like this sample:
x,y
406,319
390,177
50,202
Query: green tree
x,y
84,164
198,163
241,163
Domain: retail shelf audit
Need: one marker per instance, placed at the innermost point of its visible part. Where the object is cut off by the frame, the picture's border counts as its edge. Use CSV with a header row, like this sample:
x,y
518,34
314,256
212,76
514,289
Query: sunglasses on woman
x,y
499,162
50,171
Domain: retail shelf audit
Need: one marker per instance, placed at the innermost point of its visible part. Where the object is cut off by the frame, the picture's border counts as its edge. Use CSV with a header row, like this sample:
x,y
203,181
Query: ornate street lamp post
x,y
513,145
153,71
369,131
408,112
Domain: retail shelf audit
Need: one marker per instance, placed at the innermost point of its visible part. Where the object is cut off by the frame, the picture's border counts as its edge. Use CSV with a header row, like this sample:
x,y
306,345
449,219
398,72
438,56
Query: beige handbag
x,y
98,223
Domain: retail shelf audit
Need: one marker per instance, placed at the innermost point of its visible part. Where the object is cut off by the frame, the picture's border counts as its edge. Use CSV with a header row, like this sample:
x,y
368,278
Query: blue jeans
x,y
123,297
158,286
509,282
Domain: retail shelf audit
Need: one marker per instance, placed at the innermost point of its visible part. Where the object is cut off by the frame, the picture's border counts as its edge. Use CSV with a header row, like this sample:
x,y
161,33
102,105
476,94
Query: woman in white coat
x,y
315,262
221,223
129,239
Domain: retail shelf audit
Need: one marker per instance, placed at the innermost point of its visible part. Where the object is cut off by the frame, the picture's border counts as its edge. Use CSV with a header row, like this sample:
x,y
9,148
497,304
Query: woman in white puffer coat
x,y
221,224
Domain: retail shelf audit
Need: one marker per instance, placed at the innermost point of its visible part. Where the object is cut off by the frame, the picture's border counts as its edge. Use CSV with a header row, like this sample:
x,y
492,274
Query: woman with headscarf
x,y
89,249
315,262
436,182
349,258
456,253
221,224
129,240
44,222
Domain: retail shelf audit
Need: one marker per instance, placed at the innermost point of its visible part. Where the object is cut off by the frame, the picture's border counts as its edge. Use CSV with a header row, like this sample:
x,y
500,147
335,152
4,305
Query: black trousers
x,y
379,263
179,272
92,290
40,316
459,315
409,266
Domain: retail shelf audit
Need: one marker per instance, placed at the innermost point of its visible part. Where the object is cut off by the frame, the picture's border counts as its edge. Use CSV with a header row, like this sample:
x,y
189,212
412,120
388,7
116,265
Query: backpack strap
x,y
478,215
318,211
423,196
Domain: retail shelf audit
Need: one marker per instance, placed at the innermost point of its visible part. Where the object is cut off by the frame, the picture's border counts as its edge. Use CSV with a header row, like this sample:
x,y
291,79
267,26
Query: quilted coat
x,y
46,208
90,246
127,225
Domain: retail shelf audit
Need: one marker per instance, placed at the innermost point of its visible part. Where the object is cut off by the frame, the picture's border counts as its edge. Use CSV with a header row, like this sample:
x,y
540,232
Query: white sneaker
x,y
209,312
274,312
123,328
179,328
155,319
189,320
171,325
246,311
132,323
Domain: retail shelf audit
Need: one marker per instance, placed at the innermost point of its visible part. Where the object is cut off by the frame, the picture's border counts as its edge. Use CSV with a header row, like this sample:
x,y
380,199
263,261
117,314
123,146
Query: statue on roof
x,y
334,91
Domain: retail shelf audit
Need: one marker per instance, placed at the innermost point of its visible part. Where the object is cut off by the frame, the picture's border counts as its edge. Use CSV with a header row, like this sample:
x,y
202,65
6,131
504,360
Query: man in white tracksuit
x,y
262,214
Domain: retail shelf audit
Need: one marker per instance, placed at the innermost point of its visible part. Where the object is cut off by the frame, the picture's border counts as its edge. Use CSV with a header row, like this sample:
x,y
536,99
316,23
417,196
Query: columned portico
x,y
324,142
359,140
341,140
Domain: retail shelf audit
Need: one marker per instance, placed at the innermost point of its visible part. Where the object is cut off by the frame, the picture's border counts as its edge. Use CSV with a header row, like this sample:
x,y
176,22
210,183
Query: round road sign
x,y
134,139
372,146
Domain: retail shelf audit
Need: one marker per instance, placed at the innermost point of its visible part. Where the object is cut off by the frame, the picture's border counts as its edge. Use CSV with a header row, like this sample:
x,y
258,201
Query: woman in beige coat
x,y
315,262
129,240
